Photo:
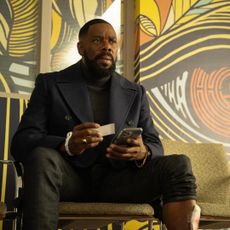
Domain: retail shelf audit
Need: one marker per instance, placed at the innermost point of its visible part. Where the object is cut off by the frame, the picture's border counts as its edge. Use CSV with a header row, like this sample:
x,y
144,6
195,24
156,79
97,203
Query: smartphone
x,y
126,133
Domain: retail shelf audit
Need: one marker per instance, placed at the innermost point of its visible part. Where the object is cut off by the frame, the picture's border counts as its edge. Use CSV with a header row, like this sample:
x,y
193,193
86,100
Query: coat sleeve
x,y
32,130
150,134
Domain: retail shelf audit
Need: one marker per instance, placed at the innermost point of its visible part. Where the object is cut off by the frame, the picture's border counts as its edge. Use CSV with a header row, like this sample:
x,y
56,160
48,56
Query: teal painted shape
x,y
197,11
203,2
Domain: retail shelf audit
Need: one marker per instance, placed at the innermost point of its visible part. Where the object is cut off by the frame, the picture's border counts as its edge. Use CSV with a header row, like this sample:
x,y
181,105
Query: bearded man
x,y
67,157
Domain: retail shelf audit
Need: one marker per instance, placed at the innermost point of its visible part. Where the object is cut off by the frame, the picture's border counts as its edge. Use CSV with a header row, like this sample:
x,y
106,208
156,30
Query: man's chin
x,y
100,68
104,67
103,72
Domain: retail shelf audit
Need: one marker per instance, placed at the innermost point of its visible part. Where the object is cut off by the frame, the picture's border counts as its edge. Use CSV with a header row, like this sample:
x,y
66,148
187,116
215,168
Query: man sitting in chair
x,y
67,156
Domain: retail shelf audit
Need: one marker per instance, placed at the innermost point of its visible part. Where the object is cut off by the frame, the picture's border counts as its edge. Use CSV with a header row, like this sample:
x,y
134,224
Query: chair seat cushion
x,y
105,209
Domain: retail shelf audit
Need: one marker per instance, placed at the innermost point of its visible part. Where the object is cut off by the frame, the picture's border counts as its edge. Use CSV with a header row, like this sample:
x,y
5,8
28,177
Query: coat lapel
x,y
121,100
75,92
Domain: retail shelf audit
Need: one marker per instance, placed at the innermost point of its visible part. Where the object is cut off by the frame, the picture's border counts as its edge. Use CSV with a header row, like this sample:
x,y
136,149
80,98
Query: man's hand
x,y
134,150
84,136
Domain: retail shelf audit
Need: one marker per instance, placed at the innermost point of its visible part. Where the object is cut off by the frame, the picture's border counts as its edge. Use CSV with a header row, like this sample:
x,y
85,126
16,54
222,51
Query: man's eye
x,y
113,41
96,40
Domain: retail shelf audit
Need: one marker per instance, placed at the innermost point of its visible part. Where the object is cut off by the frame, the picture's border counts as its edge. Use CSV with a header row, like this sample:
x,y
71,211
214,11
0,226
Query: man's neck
x,y
93,79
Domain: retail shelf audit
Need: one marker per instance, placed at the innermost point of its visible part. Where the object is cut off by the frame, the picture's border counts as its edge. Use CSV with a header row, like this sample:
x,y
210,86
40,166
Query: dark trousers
x,y
49,178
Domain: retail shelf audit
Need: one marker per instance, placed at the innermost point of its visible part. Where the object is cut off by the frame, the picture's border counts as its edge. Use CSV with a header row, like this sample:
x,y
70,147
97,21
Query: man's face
x,y
98,48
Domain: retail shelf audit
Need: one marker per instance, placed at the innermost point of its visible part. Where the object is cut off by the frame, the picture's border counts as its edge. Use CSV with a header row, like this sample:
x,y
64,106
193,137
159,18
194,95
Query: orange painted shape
x,y
164,9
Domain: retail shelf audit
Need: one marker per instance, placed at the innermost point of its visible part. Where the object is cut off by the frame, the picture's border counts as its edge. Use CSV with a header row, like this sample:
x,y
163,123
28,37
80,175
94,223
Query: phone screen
x,y
127,133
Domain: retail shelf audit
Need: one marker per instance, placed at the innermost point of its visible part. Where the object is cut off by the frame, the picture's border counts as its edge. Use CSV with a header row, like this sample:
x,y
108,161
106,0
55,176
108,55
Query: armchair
x,y
81,215
210,166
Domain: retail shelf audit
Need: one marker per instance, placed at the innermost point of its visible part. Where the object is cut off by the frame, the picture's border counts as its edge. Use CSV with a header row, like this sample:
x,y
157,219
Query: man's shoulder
x,y
59,75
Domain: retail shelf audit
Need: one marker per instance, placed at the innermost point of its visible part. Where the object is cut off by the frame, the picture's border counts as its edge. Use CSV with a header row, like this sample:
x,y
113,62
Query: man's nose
x,y
106,46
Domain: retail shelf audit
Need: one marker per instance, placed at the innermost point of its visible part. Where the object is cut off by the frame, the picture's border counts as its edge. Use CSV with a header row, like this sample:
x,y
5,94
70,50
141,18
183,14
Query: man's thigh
x,y
167,176
131,184
48,172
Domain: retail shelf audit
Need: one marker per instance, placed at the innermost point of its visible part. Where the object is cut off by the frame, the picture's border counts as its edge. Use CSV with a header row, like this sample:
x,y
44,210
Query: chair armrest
x,y
16,213
18,178
2,210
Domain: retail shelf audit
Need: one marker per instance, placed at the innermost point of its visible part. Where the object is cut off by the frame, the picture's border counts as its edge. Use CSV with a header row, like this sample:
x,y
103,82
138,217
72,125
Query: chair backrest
x,y
212,170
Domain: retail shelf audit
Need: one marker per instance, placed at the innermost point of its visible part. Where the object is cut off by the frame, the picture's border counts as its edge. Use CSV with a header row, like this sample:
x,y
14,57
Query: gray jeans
x,y
49,178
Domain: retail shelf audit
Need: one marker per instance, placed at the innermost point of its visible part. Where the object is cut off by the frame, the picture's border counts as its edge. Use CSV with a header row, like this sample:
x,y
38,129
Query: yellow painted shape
x,y
5,156
178,8
110,227
6,147
194,1
184,57
149,11
195,42
135,225
4,28
82,11
186,6
56,28
181,7
187,18
6,87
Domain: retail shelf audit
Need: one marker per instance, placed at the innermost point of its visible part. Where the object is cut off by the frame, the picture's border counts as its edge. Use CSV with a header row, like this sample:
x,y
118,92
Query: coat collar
x,y
74,90
122,97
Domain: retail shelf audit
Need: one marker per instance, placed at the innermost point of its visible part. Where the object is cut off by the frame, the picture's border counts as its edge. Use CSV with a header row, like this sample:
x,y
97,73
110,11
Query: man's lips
x,y
108,57
105,60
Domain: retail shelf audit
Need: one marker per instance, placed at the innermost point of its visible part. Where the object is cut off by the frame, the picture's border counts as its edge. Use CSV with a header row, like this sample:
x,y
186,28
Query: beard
x,y
98,70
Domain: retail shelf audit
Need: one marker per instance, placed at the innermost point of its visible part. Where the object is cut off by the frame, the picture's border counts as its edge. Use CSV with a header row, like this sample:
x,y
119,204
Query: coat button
x,y
130,123
68,117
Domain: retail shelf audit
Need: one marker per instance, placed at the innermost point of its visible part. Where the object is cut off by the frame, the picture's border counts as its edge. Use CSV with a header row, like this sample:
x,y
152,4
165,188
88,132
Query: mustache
x,y
104,54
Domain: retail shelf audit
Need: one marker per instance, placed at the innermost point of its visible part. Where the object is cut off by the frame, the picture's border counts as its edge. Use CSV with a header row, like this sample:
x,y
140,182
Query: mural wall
x,y
182,59
19,55
19,47
19,31
67,19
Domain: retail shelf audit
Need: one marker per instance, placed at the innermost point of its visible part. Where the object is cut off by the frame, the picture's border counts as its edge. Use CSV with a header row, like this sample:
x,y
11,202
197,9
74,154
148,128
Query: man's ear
x,y
80,48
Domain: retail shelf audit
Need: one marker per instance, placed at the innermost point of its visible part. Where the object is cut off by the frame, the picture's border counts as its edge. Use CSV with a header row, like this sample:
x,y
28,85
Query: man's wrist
x,y
141,163
66,145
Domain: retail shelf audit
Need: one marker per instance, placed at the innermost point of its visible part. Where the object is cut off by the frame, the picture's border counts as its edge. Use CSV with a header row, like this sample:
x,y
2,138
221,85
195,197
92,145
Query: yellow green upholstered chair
x,y
212,170
83,215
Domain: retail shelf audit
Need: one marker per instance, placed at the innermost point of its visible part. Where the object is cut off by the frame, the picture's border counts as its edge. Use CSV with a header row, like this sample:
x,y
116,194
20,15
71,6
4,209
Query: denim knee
x,y
179,164
179,181
42,157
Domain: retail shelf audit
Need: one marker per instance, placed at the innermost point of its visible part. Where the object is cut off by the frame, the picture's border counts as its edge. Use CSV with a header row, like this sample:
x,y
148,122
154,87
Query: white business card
x,y
107,129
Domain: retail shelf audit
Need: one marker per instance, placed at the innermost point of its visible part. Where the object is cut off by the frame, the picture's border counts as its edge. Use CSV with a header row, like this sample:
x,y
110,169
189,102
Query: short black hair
x,y
84,29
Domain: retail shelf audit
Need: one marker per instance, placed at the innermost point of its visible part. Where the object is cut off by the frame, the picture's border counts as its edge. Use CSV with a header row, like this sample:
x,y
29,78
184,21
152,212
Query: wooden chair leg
x,y
150,224
122,224
159,225
119,225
